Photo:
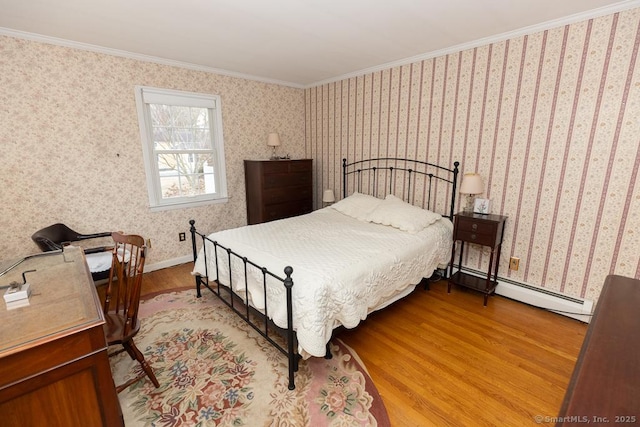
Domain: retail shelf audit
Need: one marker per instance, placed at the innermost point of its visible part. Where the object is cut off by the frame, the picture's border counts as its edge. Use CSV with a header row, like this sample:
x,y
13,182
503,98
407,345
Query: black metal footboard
x,y
258,320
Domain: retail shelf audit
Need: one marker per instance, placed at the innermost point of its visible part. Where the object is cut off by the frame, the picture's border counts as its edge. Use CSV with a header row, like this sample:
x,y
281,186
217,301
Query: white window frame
x,y
150,95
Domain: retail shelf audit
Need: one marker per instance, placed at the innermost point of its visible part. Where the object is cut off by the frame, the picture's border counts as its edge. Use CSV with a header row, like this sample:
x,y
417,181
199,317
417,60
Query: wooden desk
x,y
54,368
605,385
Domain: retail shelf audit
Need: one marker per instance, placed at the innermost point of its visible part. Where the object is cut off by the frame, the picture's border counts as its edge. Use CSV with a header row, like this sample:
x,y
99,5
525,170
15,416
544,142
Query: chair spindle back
x,y
125,279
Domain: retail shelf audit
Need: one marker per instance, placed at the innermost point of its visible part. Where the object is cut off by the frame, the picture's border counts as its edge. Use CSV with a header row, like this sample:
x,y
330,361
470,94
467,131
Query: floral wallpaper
x,y
549,120
71,149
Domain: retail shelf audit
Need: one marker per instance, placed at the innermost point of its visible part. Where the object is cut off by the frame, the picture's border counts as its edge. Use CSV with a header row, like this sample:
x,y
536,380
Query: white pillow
x,y
397,213
357,205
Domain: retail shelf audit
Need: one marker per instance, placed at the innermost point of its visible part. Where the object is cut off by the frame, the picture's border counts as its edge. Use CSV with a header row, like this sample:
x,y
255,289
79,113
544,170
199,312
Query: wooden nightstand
x,y
486,230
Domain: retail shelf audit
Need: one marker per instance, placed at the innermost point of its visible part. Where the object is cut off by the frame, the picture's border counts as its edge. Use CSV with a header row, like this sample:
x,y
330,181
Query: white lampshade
x,y
273,140
328,196
472,184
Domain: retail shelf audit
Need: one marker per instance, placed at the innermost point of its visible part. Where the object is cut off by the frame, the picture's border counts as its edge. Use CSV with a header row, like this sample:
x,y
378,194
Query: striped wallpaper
x,y
550,120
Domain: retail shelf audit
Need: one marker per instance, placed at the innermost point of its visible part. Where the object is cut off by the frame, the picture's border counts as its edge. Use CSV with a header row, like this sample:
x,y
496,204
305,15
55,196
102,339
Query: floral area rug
x,y
214,370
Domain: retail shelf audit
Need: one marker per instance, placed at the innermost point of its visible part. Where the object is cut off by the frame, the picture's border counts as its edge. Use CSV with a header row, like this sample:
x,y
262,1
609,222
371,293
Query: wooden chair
x,y
122,300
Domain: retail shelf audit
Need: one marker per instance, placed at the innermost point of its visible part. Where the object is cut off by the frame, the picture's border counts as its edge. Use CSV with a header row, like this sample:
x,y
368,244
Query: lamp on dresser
x,y
273,140
471,185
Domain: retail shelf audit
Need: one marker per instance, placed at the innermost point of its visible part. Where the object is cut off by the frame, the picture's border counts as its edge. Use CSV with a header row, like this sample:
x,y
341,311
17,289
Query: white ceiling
x,y
296,42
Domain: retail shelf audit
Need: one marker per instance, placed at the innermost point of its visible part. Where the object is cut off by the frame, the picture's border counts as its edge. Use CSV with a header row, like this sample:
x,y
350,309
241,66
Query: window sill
x,y
189,204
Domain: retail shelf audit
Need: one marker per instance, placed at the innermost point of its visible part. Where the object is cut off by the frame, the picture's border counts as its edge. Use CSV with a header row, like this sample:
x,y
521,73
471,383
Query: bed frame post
x,y
344,178
453,189
293,357
192,229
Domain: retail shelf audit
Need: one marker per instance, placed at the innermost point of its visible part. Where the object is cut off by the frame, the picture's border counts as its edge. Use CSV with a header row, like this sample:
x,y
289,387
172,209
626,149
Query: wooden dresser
x,y
54,368
605,385
278,189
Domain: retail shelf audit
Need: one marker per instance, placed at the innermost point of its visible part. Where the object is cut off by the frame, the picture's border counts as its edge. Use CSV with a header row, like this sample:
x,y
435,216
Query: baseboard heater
x,y
576,308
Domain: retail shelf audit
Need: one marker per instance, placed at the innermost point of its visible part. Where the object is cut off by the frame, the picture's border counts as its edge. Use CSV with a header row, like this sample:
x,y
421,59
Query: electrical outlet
x,y
514,263
149,243
182,237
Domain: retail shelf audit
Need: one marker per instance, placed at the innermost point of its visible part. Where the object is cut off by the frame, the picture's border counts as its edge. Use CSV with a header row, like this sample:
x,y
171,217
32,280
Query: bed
x,y
305,276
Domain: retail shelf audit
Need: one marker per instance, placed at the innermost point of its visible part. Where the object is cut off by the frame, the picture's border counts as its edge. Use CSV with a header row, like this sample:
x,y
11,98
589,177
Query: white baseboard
x,y
168,263
576,308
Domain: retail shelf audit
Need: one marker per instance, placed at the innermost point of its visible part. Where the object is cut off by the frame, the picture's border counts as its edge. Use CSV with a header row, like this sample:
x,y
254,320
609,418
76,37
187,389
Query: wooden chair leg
x,y
131,348
129,351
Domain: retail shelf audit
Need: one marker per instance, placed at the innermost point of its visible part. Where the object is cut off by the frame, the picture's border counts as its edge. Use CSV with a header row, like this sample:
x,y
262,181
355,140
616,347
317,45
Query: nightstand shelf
x,y
486,230
473,282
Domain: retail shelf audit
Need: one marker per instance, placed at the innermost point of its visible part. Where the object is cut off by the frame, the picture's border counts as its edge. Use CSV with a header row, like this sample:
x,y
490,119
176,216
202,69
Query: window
x,y
183,147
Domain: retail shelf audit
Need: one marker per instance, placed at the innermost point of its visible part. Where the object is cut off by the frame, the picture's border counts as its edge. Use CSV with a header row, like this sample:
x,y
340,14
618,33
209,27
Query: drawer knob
x,y
474,227
473,237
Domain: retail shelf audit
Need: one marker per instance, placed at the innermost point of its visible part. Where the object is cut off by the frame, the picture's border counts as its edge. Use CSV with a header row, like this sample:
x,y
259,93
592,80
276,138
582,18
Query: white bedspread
x,y
343,268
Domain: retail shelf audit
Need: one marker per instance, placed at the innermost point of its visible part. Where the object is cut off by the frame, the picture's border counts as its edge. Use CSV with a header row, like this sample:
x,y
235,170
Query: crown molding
x,y
532,29
571,19
139,57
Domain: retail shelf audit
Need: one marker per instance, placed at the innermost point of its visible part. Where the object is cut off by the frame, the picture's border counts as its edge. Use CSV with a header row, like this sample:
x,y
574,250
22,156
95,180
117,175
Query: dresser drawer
x,y
285,194
287,180
288,209
286,166
300,166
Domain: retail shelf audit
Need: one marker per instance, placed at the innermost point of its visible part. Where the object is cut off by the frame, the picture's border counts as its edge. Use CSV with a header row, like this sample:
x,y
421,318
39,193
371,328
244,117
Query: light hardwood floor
x,y
444,359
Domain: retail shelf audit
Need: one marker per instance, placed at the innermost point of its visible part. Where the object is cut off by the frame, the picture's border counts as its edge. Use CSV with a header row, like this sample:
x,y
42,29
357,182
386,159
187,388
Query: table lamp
x,y
471,185
328,196
273,141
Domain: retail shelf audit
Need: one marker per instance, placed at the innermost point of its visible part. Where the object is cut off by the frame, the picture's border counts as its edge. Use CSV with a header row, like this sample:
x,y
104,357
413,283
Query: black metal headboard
x,y
414,181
